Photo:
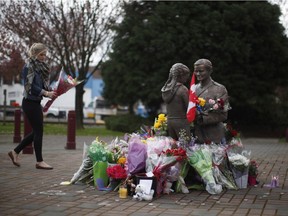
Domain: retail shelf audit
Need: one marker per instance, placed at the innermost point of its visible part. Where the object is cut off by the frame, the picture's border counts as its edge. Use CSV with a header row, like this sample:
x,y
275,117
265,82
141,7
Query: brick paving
x,y
26,190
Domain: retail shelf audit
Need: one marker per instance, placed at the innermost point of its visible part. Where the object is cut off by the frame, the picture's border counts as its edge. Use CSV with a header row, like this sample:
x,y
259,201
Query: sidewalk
x,y
26,190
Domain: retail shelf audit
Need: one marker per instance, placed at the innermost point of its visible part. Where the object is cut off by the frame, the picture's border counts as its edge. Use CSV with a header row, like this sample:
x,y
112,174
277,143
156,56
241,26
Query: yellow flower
x,y
202,101
157,124
121,160
162,118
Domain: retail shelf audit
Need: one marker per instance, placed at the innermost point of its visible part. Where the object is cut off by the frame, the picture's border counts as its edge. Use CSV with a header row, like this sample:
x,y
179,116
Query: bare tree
x,y
77,33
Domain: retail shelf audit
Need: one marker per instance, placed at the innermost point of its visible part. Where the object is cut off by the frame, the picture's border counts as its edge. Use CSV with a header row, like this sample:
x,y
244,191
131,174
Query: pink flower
x,y
211,101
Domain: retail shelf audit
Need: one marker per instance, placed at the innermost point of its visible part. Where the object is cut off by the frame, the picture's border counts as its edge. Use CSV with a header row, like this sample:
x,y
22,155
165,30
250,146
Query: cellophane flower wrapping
x,y
137,155
166,160
201,159
239,160
65,83
85,171
155,146
221,171
98,153
117,151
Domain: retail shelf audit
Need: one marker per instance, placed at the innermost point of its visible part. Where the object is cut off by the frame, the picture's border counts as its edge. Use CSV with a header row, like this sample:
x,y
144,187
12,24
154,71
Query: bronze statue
x,y
209,120
176,97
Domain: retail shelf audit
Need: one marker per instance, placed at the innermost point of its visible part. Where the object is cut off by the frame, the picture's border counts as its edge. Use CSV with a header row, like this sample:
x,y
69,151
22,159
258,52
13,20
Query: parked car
x,y
99,108
55,113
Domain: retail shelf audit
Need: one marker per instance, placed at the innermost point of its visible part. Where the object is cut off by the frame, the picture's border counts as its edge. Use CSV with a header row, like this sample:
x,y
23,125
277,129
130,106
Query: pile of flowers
x,y
217,166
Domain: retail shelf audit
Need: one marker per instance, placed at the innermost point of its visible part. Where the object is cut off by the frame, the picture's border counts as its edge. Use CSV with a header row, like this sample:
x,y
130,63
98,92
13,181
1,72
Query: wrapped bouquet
x,y
201,159
65,83
239,160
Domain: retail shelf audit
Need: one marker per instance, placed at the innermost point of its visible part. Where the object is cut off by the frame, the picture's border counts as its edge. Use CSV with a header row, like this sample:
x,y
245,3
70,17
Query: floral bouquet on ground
x,y
160,125
221,171
117,174
166,160
85,171
252,173
137,155
200,157
99,155
117,152
64,83
231,135
239,162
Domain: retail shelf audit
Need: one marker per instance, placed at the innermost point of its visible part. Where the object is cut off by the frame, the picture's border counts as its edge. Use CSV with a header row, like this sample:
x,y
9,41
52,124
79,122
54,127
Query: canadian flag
x,y
191,110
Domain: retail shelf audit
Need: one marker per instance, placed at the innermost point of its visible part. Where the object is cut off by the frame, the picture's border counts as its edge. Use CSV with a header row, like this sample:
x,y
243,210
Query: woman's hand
x,y
50,94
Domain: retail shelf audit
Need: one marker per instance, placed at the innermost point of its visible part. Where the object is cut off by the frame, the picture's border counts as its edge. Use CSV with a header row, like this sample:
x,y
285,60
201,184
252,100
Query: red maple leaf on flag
x,y
191,110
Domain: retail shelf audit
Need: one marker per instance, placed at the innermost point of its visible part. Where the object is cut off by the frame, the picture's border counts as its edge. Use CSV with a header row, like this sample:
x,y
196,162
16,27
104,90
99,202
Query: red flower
x,y
180,153
116,172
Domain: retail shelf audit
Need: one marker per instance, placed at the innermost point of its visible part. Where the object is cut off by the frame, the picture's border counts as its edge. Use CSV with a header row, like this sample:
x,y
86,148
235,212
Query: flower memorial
x,y
65,83
166,161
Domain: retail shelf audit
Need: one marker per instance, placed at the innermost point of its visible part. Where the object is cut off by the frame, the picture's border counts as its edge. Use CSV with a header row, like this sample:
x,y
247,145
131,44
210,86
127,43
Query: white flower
x,y
239,160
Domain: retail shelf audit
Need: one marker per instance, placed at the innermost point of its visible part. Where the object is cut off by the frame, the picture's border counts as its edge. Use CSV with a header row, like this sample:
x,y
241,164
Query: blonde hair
x,y
36,49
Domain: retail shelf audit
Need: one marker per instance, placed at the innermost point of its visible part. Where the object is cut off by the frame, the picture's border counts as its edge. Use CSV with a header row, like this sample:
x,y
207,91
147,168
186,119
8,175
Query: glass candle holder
x,y
123,192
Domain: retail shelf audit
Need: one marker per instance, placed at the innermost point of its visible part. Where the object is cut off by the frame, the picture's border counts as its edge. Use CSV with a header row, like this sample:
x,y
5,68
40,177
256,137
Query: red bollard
x,y
27,129
71,130
17,126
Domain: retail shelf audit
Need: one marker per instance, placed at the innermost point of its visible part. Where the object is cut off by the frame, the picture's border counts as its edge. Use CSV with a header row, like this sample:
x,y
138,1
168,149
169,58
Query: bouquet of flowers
x,y
65,82
221,171
160,125
98,153
230,133
166,160
117,152
116,172
239,164
253,168
252,173
201,159
137,154
85,171
211,105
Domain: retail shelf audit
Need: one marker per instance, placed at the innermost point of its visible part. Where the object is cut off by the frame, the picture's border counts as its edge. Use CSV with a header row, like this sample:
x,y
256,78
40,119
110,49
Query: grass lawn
x,y
61,129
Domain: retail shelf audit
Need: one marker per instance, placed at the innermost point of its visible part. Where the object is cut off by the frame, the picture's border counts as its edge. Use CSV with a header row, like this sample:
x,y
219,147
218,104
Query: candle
x,y
123,192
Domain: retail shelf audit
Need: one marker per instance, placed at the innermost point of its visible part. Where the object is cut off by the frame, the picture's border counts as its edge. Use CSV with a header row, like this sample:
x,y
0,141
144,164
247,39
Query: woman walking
x,y
36,85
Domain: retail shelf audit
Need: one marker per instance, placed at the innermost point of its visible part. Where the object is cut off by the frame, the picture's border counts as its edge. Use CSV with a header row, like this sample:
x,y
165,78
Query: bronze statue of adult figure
x,y
209,125
176,97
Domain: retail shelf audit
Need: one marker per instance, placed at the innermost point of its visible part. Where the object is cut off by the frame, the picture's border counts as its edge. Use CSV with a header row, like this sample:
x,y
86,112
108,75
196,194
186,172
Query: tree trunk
x,y
79,105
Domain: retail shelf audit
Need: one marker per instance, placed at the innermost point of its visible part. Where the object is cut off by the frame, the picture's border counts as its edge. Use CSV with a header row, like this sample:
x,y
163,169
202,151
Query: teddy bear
x,y
141,195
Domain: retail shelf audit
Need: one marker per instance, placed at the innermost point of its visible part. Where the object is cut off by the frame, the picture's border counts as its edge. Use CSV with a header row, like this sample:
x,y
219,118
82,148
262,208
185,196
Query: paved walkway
x,y
29,191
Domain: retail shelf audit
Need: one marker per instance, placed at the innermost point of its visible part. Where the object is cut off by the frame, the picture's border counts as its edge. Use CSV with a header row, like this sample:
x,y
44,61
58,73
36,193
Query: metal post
x,y
71,130
17,126
27,129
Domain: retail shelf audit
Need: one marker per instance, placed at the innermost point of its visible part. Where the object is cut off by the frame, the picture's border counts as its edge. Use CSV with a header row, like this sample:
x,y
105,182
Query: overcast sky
x,y
284,9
